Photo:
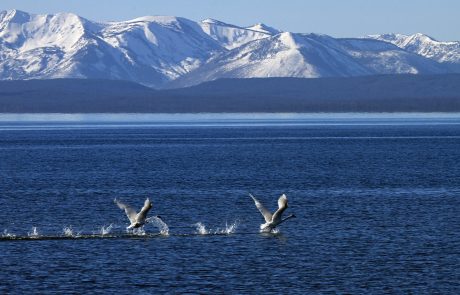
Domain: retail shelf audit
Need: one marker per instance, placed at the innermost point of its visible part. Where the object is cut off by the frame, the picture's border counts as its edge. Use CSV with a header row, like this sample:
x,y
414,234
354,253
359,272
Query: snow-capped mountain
x,y
447,53
264,29
164,51
230,36
149,50
310,55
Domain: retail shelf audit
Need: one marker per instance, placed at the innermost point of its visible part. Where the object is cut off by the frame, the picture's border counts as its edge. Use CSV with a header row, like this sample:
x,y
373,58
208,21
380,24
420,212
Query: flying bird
x,y
137,219
272,220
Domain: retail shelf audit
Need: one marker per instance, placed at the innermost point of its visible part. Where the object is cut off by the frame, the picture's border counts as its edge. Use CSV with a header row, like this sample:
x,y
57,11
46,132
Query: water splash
x,y
158,222
229,229
275,231
69,232
137,231
105,230
7,234
267,230
34,233
201,229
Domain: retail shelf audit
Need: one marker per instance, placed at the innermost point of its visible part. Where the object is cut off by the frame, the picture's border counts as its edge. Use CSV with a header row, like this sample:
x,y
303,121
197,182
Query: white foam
x,y
228,229
137,231
201,229
7,234
34,233
105,230
69,232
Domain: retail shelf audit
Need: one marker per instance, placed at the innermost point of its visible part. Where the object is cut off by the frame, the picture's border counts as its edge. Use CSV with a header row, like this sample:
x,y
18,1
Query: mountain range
x,y
174,52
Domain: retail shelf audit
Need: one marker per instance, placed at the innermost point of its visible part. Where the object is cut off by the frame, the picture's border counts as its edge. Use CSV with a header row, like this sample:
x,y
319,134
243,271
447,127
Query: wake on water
x,y
7,234
229,229
107,231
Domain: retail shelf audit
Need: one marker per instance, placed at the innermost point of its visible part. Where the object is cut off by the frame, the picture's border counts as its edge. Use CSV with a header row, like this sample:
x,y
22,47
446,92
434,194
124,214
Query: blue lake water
x,y
377,200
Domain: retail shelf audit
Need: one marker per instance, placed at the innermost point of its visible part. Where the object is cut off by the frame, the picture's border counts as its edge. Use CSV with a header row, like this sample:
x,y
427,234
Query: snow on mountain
x,y
230,36
163,48
310,56
264,29
283,55
443,52
166,50
33,46
148,50
384,58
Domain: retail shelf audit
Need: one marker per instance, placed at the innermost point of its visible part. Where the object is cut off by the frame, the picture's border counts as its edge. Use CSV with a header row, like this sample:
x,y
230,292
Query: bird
x,y
272,220
137,219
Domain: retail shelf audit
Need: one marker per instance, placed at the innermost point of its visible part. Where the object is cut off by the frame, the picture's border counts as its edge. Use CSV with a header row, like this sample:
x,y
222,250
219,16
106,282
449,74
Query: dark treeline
x,y
389,93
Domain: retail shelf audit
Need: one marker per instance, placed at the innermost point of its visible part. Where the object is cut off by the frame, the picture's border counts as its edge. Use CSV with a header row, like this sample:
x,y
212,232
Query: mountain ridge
x,y
168,51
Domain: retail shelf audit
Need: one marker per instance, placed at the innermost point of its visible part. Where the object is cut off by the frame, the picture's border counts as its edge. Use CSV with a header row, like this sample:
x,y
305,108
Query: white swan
x,y
136,219
272,220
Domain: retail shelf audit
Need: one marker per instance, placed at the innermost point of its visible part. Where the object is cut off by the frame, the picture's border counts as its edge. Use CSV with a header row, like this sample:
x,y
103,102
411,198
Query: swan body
x,y
272,220
136,219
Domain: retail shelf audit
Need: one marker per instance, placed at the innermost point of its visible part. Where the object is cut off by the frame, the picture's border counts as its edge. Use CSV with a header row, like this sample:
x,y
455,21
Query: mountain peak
x,y
263,28
154,50
211,21
423,37
402,38
164,19
14,16
230,36
27,32
426,46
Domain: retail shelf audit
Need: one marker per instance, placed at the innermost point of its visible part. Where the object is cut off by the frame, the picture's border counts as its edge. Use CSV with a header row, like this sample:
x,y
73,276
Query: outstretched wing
x,y
143,213
130,212
265,213
282,205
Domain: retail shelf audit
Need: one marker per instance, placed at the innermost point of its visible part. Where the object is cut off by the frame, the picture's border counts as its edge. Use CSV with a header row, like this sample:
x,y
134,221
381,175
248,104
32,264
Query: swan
x,y
137,219
272,220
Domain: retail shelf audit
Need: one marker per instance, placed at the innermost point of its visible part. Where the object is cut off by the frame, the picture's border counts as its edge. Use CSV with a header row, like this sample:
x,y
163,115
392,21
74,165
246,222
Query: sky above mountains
x,y
338,18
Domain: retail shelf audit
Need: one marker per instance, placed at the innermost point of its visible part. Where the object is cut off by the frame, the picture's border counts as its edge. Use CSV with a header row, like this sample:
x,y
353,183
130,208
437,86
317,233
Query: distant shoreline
x,y
365,94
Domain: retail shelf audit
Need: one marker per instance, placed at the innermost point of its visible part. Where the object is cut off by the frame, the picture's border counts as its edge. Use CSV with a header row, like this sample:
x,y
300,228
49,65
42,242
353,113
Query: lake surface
x,y
377,200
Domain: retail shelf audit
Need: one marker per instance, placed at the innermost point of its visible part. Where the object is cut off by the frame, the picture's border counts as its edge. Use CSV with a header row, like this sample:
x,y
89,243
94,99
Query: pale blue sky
x,y
340,18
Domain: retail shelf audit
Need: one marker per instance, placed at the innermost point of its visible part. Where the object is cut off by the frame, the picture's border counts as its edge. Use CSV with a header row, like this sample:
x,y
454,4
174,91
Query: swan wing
x,y
130,212
143,213
282,205
265,213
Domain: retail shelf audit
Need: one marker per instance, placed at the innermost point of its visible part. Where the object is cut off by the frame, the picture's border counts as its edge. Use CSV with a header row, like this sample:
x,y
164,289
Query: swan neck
x,y
290,216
